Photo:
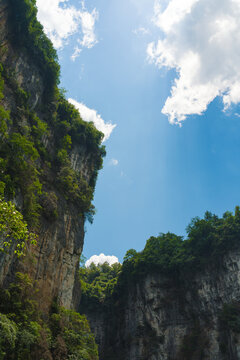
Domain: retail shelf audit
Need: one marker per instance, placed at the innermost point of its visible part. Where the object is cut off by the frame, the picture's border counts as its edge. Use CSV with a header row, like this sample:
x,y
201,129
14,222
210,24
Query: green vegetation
x,y
8,335
13,230
19,155
72,331
207,238
25,162
29,35
25,334
36,147
98,283
70,130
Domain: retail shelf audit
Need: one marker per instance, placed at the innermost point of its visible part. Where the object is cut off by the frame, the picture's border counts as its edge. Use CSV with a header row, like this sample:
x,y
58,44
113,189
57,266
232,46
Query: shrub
x,y
13,229
27,334
8,335
49,205
72,336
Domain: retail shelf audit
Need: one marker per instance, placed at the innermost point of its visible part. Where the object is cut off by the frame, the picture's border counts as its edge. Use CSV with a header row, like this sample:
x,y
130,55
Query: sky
x,y
161,80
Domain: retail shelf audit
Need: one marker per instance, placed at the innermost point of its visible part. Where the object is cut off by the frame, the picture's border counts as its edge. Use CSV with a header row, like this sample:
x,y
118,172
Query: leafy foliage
x,y
19,155
98,283
27,164
49,205
25,334
18,164
25,161
29,34
72,130
8,335
13,229
207,238
72,330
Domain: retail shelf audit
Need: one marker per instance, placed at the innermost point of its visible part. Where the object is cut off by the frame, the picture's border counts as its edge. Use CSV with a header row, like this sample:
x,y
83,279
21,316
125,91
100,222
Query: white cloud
x,y
101,259
200,39
88,22
113,162
61,20
91,115
77,51
173,14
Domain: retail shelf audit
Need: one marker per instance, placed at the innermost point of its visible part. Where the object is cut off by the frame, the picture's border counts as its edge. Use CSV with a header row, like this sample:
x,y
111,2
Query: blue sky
x,y
167,75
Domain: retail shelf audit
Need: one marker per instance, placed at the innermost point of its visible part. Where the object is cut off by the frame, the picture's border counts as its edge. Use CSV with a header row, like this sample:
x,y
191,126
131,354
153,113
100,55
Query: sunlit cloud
x,y
61,20
91,115
200,39
101,259
88,23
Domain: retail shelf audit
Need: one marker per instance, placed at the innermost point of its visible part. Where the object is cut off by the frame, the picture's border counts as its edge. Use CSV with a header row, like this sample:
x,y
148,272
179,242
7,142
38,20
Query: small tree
x,y
13,229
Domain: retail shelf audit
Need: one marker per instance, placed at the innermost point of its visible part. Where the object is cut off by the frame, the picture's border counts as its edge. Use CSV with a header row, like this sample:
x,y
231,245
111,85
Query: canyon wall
x,y
54,262
156,317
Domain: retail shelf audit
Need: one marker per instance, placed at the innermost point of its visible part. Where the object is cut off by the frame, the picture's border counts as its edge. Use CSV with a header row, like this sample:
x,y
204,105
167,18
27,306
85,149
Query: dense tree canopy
x,y
208,239
98,282
26,333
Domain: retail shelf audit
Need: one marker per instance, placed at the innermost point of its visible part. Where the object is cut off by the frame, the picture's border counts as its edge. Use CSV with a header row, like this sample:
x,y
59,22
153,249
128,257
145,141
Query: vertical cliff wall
x,y
159,318
49,158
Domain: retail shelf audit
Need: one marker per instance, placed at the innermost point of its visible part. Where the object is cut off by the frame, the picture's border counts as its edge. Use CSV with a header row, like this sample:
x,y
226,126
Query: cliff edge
x,y
49,157
177,299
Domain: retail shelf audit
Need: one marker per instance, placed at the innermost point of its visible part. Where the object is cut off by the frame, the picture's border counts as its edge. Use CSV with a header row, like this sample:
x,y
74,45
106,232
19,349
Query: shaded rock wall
x,y
158,318
55,260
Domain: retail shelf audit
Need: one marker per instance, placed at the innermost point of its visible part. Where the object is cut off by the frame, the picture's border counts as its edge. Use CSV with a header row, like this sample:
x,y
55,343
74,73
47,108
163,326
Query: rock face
x,y
60,241
26,72
158,318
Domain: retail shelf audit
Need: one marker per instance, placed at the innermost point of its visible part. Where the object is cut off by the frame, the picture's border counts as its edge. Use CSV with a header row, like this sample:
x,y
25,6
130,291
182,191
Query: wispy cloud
x,y
200,39
141,31
88,23
101,259
76,53
91,115
62,20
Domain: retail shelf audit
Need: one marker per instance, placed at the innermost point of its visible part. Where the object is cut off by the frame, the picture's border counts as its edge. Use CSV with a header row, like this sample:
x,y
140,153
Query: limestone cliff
x,y
65,161
160,318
